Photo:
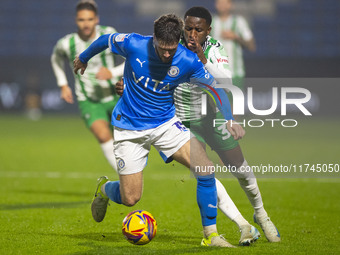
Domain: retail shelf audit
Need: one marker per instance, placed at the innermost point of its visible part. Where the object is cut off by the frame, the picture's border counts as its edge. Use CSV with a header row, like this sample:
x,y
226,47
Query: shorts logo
x,y
120,37
87,116
173,71
120,163
180,126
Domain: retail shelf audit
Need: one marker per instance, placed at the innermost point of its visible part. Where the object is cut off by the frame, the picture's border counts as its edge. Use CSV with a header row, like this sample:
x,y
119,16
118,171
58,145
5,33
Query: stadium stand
x,y
282,28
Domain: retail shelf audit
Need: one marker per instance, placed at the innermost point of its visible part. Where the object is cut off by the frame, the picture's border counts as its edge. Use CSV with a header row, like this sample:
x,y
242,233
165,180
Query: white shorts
x,y
132,147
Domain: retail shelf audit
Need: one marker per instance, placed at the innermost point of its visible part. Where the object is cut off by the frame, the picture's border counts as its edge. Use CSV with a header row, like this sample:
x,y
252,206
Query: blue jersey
x,y
148,98
148,101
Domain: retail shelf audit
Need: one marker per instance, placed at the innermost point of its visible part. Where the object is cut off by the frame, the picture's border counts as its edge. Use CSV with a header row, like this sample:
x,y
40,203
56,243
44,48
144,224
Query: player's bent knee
x,y
131,201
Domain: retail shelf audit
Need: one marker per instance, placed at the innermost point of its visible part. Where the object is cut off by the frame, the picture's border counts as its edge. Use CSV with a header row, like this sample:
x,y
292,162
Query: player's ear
x,y
208,31
98,20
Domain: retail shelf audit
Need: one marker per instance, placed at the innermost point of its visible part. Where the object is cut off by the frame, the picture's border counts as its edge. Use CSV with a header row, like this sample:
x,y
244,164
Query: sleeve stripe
x,y
109,42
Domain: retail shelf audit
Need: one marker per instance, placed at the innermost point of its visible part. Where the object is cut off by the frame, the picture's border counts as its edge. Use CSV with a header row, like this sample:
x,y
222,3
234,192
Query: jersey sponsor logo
x,y
173,71
140,62
148,82
120,37
222,60
120,163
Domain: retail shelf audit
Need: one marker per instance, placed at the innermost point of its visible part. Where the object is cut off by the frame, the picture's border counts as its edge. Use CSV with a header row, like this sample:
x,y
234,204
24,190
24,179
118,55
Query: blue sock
x,y
113,192
207,199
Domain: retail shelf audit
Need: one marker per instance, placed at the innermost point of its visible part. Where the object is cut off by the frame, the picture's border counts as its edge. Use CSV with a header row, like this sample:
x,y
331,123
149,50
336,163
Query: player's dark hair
x,y
168,28
200,12
87,5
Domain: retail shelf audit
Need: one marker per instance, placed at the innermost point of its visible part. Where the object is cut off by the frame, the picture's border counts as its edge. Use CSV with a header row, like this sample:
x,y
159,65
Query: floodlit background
x,y
49,161
295,38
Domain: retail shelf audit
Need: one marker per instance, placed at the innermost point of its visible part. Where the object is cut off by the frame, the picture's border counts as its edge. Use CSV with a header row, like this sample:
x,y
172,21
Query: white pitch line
x,y
48,175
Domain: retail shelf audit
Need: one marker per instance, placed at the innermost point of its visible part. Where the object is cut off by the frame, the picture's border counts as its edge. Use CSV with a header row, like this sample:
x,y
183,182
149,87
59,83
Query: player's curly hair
x,y
200,12
87,5
168,28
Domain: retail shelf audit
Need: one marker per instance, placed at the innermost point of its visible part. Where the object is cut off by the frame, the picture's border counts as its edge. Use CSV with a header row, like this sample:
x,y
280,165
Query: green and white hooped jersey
x,y
188,97
87,87
240,26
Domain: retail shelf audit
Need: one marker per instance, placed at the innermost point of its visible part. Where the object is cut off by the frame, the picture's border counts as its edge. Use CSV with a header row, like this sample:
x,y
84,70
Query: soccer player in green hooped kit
x,y
211,52
95,90
235,34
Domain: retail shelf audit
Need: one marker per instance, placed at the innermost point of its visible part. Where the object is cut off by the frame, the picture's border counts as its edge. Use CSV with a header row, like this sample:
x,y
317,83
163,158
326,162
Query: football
x,y
139,227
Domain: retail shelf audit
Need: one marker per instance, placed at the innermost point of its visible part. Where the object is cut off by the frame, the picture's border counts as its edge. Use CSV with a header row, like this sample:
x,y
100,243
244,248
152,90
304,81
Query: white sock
x,y
208,230
107,148
240,221
102,189
248,183
260,213
225,204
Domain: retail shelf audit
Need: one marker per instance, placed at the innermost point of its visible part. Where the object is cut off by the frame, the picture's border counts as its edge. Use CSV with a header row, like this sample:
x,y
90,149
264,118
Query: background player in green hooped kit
x,y
235,34
95,90
211,53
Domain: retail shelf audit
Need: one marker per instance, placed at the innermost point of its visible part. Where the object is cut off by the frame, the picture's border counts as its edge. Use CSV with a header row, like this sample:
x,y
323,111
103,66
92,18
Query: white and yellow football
x,y
139,227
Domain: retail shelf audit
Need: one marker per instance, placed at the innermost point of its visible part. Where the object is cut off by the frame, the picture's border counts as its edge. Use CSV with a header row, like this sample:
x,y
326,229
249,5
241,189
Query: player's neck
x,y
87,38
225,15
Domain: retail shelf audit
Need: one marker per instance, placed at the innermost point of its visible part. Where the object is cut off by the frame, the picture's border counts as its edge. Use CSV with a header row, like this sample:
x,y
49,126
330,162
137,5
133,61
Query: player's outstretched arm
x,y
207,81
80,63
222,102
223,105
235,129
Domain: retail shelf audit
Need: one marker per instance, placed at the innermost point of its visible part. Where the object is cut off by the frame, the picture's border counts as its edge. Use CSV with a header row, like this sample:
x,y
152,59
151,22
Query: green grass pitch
x,y
48,172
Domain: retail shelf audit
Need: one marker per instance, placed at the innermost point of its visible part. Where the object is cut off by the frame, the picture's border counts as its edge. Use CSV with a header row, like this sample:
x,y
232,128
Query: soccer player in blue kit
x,y
145,116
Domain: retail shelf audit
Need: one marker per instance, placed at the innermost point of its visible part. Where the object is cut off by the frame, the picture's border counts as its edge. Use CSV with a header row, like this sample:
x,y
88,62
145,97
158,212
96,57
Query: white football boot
x,y
268,228
249,235
100,201
216,240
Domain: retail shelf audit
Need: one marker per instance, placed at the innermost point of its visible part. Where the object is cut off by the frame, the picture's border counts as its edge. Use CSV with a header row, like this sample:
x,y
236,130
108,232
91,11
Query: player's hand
x,y
229,35
235,130
104,74
120,87
66,94
77,64
196,47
